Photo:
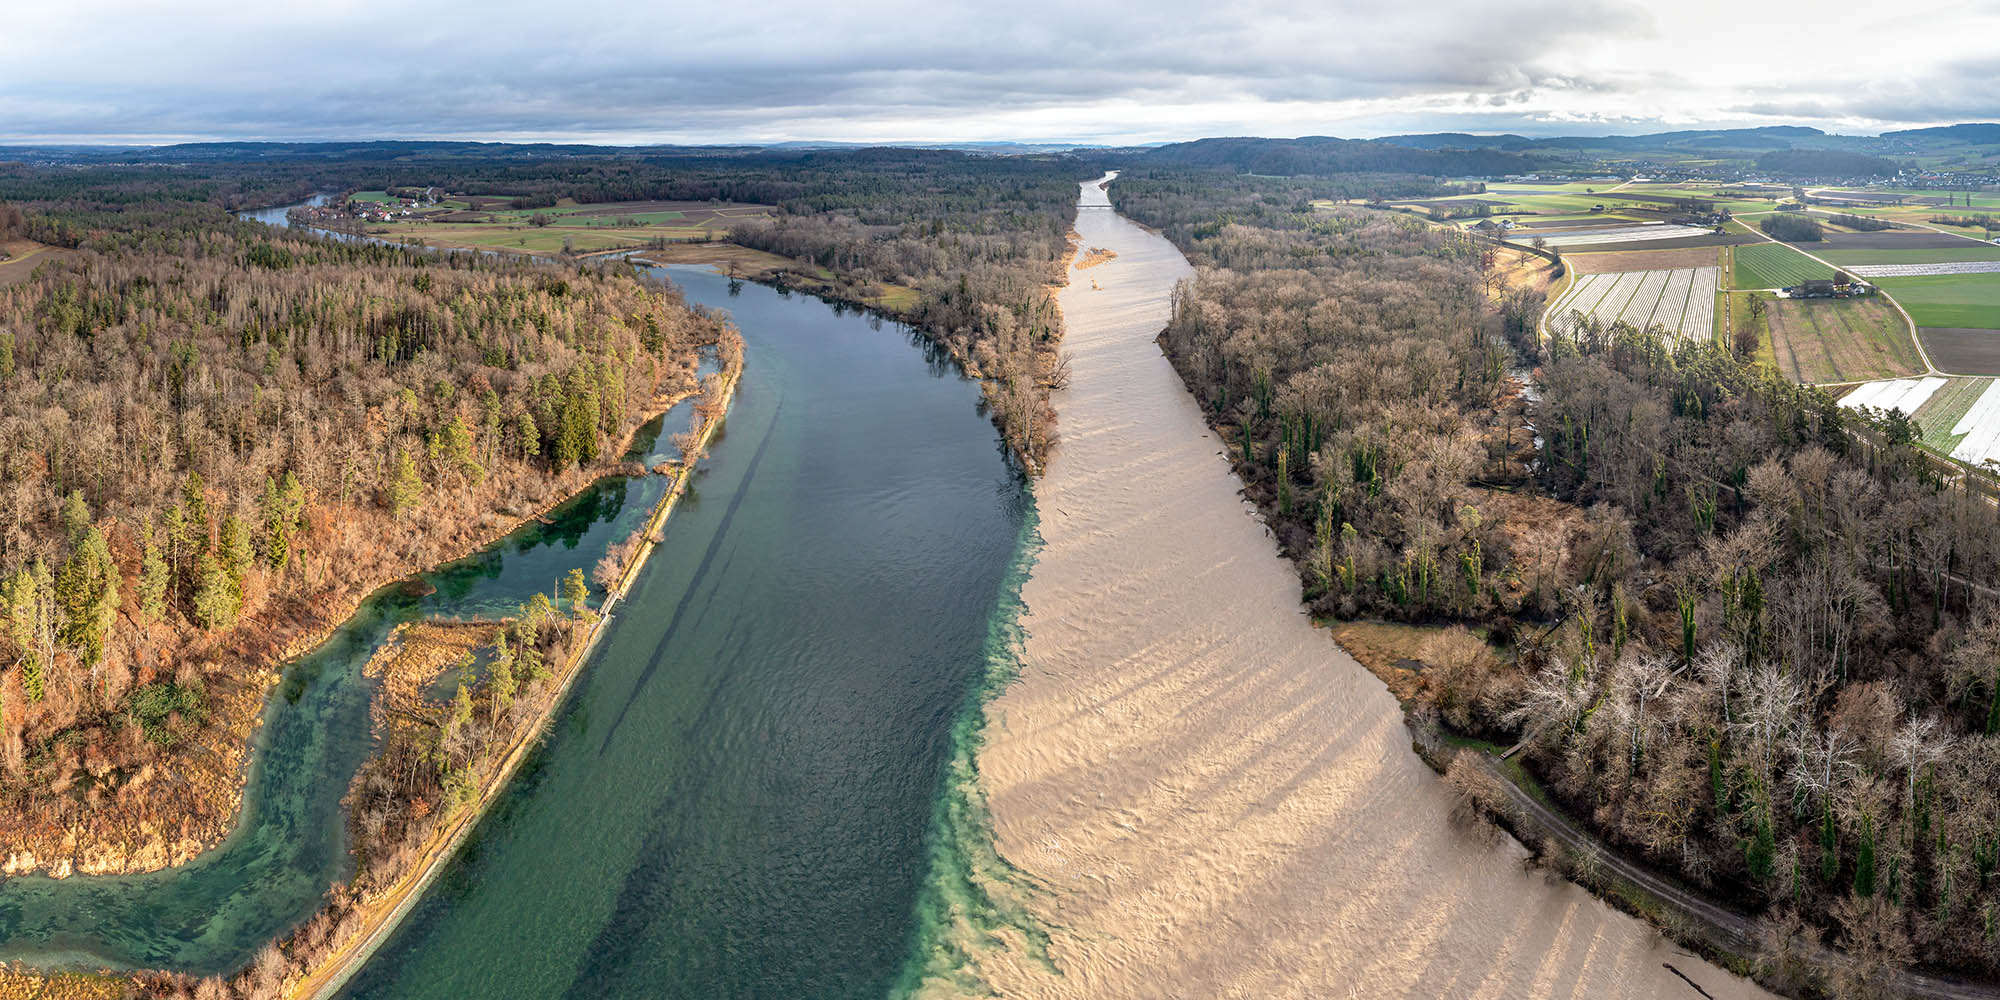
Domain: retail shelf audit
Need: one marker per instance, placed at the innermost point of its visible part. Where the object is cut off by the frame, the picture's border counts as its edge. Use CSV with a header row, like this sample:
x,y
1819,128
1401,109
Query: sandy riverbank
x,y
1216,799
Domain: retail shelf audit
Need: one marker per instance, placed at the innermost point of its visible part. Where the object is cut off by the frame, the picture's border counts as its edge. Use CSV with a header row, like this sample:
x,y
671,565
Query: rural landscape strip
x,y
1907,319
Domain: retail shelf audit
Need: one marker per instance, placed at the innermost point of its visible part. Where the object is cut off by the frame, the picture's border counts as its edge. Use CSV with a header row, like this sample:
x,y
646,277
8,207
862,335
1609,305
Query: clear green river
x,y
747,792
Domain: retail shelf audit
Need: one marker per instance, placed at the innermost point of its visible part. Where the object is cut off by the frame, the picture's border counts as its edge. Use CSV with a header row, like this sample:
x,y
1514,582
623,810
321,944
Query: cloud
x,y
908,70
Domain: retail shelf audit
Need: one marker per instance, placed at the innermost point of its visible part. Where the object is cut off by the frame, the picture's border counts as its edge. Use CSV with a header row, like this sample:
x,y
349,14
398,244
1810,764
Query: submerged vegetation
x,y
1747,635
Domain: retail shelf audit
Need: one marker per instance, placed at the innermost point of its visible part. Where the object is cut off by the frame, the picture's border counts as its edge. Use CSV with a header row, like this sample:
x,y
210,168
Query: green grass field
x,y
1971,251
1949,300
375,197
1773,265
1980,199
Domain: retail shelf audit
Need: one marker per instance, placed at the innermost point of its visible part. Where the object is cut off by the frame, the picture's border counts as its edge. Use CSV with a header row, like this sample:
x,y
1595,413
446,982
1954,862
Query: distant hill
x,y
995,147
1982,133
1825,163
1461,141
1765,137
1321,155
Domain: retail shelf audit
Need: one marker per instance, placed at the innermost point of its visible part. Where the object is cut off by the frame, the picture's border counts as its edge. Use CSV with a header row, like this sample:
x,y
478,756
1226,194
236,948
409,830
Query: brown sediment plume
x,y
1207,796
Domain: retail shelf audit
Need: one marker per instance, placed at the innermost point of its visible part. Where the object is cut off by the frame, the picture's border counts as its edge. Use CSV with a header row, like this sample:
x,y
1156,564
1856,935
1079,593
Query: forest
x,y
1791,227
215,439
983,239
1322,155
1747,636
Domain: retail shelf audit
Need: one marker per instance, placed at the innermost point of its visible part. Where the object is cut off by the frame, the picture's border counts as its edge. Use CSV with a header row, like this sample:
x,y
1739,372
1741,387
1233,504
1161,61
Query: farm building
x,y
1837,287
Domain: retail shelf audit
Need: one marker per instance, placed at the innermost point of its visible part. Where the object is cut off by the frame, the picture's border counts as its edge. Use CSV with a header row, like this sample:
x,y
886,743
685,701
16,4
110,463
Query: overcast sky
x,y
747,70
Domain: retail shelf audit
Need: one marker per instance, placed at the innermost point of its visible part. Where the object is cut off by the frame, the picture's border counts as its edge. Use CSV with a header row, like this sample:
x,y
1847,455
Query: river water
x,y
740,798
744,793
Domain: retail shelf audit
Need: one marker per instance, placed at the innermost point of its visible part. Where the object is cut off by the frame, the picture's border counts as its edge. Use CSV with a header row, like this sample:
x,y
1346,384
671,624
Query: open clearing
x,y
1949,300
19,258
1680,300
1962,350
1840,340
1774,265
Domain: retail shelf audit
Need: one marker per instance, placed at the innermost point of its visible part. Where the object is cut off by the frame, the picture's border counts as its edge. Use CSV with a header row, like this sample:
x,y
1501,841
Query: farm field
x,y
20,258
1773,265
1948,300
1905,394
1680,300
1925,269
1840,340
1918,216
523,239
1613,261
575,227
1974,437
1959,250
1959,417
1589,235
1962,350
1888,239
1938,417
1982,199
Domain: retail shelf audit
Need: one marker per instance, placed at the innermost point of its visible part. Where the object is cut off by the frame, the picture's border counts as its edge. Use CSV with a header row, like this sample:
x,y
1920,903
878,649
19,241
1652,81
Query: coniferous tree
x,y
283,509
153,580
500,684
405,486
194,524
31,624
236,551
87,592
217,601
